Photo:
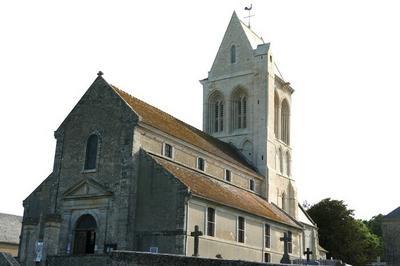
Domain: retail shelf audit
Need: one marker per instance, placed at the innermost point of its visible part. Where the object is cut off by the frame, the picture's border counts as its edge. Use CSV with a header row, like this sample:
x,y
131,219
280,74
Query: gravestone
x,y
196,235
285,239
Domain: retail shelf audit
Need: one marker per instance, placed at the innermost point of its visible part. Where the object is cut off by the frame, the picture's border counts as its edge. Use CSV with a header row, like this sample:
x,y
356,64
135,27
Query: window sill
x,y
89,171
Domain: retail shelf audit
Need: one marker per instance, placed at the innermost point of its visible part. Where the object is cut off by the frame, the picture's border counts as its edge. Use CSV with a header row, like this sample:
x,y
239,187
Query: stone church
x,y
129,176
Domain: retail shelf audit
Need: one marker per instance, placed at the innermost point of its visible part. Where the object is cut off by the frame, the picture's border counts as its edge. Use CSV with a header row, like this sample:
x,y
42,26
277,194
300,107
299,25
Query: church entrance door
x,y
85,235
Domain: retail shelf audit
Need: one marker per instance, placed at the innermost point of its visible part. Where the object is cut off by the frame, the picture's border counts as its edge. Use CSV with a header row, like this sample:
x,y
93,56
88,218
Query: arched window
x,y
216,113
233,54
285,122
276,115
91,152
288,161
280,161
85,235
239,109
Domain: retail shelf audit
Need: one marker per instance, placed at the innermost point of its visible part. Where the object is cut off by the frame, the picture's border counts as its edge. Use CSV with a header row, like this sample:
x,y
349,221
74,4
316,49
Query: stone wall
x,y
127,258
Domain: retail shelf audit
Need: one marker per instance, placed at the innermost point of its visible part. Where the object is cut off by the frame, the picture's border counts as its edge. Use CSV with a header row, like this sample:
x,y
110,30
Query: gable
x,y
87,188
100,100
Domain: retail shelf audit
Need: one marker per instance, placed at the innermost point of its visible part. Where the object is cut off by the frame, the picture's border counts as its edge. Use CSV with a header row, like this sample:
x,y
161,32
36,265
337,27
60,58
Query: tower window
x,y
91,152
239,99
227,175
216,113
285,122
167,150
210,222
290,242
241,229
200,163
233,54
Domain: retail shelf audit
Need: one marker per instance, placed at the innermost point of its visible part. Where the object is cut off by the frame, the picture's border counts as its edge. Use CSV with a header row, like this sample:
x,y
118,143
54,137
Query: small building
x,y
391,237
10,228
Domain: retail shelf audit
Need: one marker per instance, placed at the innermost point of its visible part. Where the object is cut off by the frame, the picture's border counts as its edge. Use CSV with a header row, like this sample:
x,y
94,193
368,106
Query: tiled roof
x,y
393,214
160,120
225,194
10,228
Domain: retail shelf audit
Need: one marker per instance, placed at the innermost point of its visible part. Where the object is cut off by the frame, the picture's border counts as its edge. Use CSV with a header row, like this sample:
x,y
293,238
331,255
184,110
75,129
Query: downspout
x,y
187,198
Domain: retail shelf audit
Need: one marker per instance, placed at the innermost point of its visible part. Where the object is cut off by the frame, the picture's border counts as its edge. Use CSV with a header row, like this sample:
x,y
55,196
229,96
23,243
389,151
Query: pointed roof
x,y
393,214
252,37
166,123
212,189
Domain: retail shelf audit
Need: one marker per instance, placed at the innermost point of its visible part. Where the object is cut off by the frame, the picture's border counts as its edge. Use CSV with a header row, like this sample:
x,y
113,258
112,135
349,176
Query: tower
x,y
246,102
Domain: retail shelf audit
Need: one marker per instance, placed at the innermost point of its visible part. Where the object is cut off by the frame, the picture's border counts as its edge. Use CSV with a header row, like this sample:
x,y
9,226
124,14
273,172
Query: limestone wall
x,y
225,242
126,258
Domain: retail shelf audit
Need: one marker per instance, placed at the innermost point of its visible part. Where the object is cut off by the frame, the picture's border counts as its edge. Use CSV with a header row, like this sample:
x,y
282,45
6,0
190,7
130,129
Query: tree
x,y
343,236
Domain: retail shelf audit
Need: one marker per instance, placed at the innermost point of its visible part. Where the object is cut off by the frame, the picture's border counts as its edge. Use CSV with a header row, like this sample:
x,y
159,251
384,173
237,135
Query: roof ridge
x,y
152,106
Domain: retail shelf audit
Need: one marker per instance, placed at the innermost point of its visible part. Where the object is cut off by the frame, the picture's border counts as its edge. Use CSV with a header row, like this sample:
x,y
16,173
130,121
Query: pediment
x,y
87,188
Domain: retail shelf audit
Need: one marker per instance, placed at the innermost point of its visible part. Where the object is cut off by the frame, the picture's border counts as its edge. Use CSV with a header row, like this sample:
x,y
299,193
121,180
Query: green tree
x,y
343,236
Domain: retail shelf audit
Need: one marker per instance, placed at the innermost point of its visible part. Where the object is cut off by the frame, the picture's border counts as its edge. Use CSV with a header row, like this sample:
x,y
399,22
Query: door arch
x,y
85,235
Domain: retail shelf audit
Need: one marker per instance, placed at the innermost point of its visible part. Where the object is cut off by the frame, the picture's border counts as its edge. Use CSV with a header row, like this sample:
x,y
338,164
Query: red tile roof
x,y
225,194
160,120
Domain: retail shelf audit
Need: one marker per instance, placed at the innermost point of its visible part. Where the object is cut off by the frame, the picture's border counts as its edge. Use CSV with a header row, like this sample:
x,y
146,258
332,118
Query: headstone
x,y
196,235
378,262
285,239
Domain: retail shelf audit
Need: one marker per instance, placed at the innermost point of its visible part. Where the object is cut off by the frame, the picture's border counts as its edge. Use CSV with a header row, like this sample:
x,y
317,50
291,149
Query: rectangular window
x,y
267,236
290,242
227,175
210,222
241,228
167,150
200,163
251,185
267,257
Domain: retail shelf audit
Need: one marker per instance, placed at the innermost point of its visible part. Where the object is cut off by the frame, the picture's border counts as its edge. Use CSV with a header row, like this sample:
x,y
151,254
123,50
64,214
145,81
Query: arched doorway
x,y
85,235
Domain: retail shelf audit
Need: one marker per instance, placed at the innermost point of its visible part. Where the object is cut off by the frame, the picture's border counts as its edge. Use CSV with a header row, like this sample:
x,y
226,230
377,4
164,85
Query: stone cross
x,y
285,239
308,252
378,262
196,235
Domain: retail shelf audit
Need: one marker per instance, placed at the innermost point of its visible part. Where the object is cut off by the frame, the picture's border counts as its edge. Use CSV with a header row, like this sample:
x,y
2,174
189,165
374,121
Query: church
x,y
128,176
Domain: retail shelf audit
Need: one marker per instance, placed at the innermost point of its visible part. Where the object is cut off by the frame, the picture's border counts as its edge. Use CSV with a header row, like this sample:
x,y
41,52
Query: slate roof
x,y
394,214
10,228
160,120
209,188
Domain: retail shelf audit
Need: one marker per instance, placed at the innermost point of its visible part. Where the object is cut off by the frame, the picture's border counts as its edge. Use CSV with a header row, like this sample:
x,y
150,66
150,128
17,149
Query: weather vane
x,y
249,16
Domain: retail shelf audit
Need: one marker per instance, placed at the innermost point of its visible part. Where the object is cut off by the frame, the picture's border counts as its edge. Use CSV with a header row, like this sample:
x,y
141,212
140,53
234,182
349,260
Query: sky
x,y
341,57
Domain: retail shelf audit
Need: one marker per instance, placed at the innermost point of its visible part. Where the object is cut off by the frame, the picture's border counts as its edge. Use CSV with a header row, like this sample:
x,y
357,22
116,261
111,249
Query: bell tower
x,y
246,102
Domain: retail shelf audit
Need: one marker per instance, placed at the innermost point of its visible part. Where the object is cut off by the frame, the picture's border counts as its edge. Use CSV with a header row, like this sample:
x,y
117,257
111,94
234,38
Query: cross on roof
x,y
249,16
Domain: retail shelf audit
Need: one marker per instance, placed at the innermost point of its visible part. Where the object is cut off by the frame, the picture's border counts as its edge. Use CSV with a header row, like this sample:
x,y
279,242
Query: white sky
x,y
342,58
